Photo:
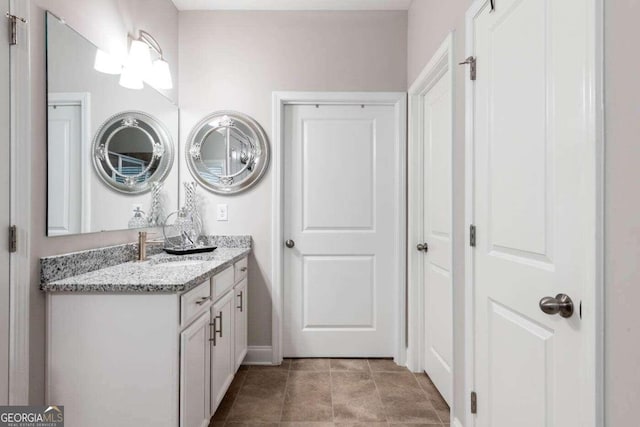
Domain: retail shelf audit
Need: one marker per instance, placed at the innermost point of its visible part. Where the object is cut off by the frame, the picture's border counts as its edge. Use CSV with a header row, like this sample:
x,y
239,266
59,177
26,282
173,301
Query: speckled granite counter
x,y
161,273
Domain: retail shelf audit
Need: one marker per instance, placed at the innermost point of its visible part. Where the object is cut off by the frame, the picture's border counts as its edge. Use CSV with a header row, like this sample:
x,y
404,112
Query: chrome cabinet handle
x,y
423,247
561,304
241,301
203,300
290,243
213,336
219,316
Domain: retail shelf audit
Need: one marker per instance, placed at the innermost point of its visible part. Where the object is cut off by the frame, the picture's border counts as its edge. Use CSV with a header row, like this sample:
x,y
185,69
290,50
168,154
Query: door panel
x,y
5,199
340,278
525,337
223,349
330,203
64,149
437,139
331,285
534,206
240,338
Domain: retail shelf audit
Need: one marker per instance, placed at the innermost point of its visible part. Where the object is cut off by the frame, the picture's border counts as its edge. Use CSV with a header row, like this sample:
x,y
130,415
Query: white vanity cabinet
x,y
153,359
195,373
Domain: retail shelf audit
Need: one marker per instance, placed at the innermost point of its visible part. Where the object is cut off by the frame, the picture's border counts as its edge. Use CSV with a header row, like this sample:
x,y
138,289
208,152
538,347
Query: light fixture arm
x,y
151,42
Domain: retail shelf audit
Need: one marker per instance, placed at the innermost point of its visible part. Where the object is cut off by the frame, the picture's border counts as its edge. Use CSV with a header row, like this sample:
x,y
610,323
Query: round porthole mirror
x,y
131,151
227,152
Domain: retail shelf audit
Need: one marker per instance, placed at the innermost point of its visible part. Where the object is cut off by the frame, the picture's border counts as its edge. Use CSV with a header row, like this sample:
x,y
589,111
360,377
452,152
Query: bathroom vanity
x,y
153,343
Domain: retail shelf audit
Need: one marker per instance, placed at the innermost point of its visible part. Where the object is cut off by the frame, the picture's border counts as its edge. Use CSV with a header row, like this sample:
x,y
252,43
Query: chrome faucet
x,y
142,245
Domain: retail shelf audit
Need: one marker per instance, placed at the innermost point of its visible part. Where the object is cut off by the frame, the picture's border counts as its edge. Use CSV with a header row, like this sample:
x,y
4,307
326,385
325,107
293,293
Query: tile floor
x,y
331,392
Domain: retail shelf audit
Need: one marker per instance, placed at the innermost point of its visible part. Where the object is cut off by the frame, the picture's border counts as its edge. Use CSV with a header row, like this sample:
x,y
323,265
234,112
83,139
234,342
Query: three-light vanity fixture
x,y
139,66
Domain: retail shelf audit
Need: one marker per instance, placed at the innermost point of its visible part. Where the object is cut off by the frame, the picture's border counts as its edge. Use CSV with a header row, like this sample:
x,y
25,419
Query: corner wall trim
x,y
259,355
19,274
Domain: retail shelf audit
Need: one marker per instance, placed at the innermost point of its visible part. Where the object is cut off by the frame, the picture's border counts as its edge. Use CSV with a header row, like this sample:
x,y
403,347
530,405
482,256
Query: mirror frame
x,y
163,149
260,156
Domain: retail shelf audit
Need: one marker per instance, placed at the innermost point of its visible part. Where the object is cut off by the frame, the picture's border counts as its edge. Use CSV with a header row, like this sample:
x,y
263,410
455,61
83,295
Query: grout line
x,y
284,397
384,408
333,412
428,396
234,398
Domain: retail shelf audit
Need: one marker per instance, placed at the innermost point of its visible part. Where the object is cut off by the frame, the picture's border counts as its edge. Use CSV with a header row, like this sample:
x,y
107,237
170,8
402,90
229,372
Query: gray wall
x,y
106,24
429,23
622,213
235,60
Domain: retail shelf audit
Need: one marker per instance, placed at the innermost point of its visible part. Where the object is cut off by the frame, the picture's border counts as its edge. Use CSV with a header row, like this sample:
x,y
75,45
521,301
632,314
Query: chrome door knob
x,y
561,304
289,243
423,247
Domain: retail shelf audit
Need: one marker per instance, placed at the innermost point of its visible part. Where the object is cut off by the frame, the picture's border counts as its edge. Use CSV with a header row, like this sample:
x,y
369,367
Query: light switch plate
x,y
222,213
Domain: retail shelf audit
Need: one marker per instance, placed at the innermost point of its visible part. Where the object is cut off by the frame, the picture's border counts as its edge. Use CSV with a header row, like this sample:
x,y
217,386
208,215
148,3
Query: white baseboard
x,y
259,355
457,423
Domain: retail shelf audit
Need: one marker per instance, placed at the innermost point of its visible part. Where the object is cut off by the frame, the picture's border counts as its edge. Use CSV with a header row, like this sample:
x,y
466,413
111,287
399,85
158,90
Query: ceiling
x,y
292,4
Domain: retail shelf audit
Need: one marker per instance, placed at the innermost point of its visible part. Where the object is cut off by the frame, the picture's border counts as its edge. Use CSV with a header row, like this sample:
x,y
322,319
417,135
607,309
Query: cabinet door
x,y
195,373
222,349
241,322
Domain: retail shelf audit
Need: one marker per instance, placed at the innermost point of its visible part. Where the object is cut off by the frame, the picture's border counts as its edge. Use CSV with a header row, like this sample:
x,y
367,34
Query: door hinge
x,y
474,402
13,239
472,235
13,27
473,66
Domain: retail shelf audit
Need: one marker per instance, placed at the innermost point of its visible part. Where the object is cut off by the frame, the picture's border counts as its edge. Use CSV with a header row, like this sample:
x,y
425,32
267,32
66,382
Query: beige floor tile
x,y
360,365
285,365
355,398
227,402
385,365
307,424
254,409
399,386
308,397
369,424
400,411
310,364
241,424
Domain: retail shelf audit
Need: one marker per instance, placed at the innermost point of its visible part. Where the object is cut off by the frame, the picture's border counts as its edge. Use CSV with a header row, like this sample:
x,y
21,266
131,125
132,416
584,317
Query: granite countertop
x,y
161,273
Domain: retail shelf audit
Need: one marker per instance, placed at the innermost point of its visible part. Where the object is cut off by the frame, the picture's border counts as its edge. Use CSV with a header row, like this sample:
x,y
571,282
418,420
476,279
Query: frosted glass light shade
x,y
130,79
106,63
161,75
139,59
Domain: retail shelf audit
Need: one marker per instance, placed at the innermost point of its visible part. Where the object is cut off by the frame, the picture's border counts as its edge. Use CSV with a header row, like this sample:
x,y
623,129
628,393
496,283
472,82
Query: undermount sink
x,y
183,263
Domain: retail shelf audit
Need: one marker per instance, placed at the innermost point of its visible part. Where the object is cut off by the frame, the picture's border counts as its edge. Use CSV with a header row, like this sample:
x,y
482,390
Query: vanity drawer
x,y
222,282
241,269
192,303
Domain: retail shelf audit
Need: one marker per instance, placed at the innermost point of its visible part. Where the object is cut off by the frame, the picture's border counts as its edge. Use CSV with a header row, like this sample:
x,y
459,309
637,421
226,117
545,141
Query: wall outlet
x,y
222,214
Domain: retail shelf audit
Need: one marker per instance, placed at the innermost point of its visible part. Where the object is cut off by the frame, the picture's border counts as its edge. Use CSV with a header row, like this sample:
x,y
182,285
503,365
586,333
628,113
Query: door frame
x,y
441,62
19,270
281,99
594,377
82,99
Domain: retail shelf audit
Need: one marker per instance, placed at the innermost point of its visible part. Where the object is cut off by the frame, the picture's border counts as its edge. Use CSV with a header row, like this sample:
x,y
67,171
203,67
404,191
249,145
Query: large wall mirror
x,y
227,152
110,149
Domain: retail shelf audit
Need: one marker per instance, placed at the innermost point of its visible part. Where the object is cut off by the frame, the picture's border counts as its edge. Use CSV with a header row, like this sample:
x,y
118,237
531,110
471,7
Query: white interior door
x,y
534,204
341,277
437,140
5,200
64,207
